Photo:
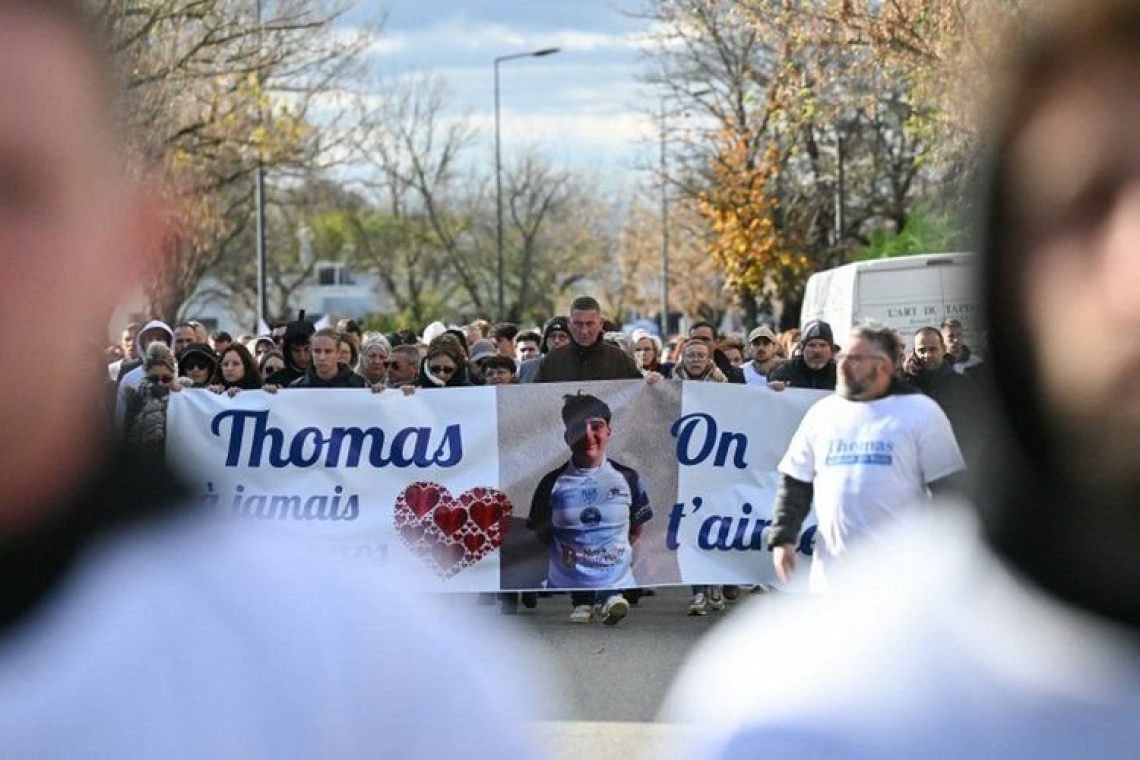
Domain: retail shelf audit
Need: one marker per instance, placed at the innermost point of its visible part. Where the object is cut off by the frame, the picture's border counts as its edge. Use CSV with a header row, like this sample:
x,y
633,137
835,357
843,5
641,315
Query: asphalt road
x,y
611,680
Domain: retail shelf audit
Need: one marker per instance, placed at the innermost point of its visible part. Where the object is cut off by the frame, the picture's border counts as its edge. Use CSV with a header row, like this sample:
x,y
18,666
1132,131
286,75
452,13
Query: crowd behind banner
x,y
430,456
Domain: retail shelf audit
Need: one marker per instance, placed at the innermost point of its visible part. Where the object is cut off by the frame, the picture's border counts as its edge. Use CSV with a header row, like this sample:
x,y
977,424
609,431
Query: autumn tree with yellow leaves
x,y
746,241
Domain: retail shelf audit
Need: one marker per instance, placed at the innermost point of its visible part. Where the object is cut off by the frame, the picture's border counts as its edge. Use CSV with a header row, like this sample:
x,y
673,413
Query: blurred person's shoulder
x,y
937,651
191,636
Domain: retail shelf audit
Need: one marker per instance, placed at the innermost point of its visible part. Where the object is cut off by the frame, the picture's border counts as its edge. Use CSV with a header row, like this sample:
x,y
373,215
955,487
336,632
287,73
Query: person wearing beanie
x,y
198,365
555,333
814,365
481,350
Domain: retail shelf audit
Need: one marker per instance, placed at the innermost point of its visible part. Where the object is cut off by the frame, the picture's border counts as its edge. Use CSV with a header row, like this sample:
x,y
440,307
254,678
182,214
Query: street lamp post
x,y
665,209
259,206
499,167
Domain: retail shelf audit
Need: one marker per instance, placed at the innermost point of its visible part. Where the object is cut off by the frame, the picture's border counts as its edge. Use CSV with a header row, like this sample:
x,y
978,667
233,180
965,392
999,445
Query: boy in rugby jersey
x,y
589,512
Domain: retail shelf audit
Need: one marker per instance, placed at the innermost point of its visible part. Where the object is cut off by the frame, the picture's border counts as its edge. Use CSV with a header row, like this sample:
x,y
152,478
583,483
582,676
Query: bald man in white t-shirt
x,y
868,458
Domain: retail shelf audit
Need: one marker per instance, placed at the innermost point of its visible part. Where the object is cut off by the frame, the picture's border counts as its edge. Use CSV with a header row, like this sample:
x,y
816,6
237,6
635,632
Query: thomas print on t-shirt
x,y
590,510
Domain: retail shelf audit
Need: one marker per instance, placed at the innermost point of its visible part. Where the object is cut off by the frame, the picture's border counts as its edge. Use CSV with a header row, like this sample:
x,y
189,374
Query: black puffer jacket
x,y
344,378
797,374
296,332
572,363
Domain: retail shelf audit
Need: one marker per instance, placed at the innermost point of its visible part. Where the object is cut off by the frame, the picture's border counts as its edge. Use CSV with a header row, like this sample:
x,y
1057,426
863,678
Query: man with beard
x,y
868,456
814,366
928,370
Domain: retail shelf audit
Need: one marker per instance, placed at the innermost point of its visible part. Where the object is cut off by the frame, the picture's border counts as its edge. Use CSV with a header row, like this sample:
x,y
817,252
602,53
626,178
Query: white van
x,y
905,292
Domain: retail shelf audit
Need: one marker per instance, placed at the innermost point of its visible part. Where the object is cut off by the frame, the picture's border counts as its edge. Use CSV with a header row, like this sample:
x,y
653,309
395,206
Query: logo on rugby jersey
x,y
591,516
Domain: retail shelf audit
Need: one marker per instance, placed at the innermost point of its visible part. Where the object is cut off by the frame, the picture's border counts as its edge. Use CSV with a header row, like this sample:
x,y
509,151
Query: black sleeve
x,y
539,519
793,502
951,485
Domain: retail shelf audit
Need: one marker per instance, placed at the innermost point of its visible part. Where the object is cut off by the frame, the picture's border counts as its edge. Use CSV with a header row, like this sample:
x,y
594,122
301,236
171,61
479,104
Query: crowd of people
x,y
935,362
134,627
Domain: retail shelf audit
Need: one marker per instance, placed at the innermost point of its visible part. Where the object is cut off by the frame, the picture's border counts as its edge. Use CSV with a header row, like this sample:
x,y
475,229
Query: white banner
x,y
438,487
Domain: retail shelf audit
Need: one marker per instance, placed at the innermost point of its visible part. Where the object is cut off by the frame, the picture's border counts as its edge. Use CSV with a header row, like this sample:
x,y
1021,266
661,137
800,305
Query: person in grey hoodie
x,y
154,330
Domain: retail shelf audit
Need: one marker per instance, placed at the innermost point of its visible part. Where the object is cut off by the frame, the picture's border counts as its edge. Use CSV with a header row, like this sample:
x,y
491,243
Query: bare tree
x,y
212,93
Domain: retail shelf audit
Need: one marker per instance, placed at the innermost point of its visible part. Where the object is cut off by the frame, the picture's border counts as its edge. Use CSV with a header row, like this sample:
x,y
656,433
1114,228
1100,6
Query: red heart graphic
x,y
451,534
450,520
422,497
486,514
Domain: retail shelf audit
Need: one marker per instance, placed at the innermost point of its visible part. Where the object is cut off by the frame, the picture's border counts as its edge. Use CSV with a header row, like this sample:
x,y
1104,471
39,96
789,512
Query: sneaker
x,y
716,599
583,613
699,605
529,600
615,608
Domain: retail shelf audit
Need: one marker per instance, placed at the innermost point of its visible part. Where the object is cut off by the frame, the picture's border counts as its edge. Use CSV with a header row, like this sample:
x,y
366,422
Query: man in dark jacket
x,y
325,371
555,333
814,367
587,356
297,350
926,370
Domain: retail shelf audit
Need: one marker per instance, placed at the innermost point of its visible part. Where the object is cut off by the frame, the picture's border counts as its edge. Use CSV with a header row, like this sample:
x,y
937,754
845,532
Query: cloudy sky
x,y
583,106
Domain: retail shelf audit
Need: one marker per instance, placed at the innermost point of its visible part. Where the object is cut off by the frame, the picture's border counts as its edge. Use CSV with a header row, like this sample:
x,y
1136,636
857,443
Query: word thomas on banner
x,y
336,447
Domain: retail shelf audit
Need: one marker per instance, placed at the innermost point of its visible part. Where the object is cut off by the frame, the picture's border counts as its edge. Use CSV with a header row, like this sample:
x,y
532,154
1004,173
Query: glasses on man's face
x,y
439,369
392,365
161,379
192,366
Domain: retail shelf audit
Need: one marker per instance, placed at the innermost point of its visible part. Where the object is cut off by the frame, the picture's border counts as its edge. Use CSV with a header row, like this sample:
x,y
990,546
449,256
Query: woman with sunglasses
x,y
268,363
145,418
445,365
197,365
